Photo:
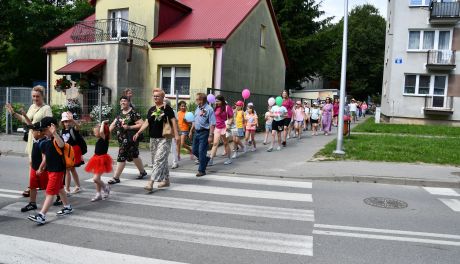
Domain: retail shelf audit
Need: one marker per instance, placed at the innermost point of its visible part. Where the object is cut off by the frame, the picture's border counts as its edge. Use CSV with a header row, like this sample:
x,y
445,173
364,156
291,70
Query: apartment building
x,y
421,82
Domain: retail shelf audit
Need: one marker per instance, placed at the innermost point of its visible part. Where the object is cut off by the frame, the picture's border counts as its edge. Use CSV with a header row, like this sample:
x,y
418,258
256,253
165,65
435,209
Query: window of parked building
x,y
263,36
175,79
419,2
429,40
419,84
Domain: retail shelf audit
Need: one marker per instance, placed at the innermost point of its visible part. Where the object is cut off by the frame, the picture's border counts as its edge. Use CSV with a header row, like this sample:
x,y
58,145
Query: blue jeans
x,y
200,148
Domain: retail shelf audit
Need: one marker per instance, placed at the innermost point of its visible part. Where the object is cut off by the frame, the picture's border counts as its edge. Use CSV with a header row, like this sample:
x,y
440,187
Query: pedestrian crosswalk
x,y
239,215
5,193
452,203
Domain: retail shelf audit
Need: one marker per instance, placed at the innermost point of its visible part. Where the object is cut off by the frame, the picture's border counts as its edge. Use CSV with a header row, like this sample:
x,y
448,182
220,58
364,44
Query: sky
x,y
335,7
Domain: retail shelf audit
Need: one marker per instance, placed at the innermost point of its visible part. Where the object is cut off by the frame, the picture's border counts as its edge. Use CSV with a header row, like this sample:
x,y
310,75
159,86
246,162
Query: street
x,y
227,219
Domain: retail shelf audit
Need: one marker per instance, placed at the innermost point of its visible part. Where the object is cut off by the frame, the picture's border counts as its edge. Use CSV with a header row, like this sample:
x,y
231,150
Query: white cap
x,y
65,117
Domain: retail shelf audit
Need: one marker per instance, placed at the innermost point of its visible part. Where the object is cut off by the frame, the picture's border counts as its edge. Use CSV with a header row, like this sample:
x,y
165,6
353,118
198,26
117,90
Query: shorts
x,y
36,181
300,123
184,133
268,127
314,121
55,183
287,122
278,126
220,131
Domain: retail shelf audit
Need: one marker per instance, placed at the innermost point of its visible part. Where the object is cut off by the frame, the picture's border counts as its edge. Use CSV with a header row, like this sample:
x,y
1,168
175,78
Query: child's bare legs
x,y
267,131
75,177
67,180
253,139
49,201
99,183
33,195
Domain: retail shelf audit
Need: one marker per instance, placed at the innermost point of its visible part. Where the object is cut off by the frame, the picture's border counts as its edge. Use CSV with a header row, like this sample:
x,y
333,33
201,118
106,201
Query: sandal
x,y
114,181
26,192
76,190
139,177
149,187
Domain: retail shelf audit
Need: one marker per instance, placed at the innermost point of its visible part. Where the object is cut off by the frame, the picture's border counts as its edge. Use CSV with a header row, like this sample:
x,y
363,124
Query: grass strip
x,y
395,148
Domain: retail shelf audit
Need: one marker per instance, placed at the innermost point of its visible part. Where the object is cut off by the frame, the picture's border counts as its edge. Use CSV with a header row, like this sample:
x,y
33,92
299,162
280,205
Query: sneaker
x,y
65,211
284,143
75,190
228,162
288,137
200,174
58,201
270,149
210,162
106,191
29,207
97,197
38,218
253,149
278,148
174,165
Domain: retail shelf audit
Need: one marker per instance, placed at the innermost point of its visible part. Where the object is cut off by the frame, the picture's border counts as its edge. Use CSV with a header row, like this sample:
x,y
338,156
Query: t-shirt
x,y
239,118
307,110
156,118
279,112
251,121
54,161
268,118
102,146
183,124
299,114
353,107
222,116
67,137
288,104
336,108
37,153
315,113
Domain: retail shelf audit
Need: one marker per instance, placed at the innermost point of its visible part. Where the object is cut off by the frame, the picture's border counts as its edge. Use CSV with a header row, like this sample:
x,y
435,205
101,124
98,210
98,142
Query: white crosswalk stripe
x,y
13,194
286,196
204,212
453,204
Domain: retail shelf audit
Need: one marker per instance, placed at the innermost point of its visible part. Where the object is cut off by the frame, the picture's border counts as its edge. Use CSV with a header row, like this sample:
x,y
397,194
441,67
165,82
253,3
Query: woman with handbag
x,y
126,124
37,111
162,126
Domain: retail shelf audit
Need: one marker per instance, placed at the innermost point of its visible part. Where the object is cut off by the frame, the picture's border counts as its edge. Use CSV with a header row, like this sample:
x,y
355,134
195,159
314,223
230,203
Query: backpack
x,y
80,140
67,154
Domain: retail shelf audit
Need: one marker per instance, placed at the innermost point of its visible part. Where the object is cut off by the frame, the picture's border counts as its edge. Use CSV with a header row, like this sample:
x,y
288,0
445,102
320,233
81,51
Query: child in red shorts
x,y
56,168
36,180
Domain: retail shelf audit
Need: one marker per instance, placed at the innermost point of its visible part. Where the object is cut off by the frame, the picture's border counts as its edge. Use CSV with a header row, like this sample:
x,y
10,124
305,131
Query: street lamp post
x,y
343,80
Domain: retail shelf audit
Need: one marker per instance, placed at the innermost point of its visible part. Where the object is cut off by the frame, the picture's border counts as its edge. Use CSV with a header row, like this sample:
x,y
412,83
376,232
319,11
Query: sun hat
x,y
65,117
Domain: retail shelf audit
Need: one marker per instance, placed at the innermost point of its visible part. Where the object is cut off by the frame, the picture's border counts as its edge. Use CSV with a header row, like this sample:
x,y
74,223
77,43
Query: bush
x,y
15,122
106,112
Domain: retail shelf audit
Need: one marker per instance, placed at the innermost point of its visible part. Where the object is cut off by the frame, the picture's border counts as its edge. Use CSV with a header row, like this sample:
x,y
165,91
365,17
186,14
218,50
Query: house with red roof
x,y
183,46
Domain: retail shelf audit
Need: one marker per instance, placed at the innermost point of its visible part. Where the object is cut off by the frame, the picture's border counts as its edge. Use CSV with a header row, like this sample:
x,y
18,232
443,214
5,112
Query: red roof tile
x,y
208,20
65,38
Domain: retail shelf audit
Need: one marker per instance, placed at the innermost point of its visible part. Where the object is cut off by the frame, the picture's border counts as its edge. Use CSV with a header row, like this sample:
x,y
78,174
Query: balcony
x,y
105,30
443,60
439,105
446,13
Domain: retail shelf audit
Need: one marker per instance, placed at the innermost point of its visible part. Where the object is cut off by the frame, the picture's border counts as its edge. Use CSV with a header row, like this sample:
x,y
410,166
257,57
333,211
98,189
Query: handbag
x,y
167,129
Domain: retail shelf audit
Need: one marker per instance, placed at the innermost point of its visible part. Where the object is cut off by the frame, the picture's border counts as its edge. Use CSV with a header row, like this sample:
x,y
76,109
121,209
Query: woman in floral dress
x,y
126,124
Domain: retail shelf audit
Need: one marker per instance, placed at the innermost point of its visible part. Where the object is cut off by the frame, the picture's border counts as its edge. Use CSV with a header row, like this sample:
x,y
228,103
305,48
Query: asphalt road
x,y
225,219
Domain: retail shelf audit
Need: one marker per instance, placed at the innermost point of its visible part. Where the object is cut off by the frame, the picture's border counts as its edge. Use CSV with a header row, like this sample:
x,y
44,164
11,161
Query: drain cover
x,y
388,203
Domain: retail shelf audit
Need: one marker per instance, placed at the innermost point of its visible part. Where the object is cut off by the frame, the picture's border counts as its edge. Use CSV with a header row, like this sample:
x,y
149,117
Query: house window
x,y
118,19
415,84
263,36
175,79
419,2
429,40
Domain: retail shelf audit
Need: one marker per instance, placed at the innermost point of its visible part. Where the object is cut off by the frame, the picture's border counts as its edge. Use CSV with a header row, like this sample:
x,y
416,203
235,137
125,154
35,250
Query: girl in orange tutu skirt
x,y
101,162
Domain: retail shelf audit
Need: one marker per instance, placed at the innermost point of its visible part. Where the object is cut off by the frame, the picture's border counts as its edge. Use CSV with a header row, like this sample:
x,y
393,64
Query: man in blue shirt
x,y
204,124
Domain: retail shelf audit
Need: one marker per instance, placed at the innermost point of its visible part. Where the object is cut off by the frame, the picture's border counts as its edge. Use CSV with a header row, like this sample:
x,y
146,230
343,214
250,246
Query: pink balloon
x,y
246,93
211,98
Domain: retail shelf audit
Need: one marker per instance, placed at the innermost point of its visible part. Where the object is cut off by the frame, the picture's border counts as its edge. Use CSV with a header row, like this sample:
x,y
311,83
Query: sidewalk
x,y
295,161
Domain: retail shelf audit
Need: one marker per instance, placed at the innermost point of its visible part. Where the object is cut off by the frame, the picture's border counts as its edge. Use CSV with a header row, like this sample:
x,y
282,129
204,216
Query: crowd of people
x,y
54,155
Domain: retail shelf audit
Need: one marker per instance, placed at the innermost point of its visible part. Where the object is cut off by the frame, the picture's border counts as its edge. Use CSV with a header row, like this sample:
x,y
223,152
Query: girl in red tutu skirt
x,y
101,162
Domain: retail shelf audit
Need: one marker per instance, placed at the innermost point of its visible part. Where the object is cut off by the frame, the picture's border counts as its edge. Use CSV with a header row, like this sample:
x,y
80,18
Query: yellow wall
x,y
140,11
200,60
58,60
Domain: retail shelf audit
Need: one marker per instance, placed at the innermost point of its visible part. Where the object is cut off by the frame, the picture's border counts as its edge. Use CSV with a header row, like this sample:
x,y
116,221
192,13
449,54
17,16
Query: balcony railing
x,y
439,105
440,59
103,30
444,12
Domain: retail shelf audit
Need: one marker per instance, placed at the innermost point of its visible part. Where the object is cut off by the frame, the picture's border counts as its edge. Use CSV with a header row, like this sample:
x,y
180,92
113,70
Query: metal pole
x,y
343,82
100,102
177,101
7,114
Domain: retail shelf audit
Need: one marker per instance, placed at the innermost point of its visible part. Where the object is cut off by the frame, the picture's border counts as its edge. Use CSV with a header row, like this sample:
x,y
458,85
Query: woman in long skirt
x,y
327,116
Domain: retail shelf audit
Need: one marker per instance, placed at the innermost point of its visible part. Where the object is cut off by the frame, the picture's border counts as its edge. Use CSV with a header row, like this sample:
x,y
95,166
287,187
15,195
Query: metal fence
x,y
15,96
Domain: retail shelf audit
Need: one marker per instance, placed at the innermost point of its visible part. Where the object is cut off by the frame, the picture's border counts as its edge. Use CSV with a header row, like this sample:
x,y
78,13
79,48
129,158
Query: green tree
x,y
299,21
366,47
24,27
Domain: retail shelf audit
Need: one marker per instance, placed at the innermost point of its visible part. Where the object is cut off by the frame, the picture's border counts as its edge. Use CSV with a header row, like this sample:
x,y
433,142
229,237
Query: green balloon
x,y
279,101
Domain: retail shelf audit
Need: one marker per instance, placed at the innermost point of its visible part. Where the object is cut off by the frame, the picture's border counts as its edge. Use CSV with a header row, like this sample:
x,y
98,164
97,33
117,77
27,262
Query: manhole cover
x,y
388,203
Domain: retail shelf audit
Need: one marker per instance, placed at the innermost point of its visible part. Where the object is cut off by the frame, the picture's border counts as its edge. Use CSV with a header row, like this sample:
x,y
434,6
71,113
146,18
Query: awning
x,y
81,66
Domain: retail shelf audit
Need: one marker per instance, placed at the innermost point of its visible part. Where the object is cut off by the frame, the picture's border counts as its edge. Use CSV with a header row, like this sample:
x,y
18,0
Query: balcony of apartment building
x,y
443,60
446,12
439,105
109,30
